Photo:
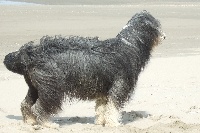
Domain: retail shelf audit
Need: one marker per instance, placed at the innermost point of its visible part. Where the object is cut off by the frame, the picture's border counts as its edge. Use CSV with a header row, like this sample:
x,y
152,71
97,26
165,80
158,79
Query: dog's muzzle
x,y
163,36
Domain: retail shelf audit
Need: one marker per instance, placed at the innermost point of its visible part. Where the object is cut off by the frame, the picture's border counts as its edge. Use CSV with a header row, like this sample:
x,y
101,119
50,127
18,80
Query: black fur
x,y
84,68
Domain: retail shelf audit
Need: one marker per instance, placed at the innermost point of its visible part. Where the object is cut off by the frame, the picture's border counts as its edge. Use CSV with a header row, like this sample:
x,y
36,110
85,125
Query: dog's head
x,y
144,27
17,61
145,22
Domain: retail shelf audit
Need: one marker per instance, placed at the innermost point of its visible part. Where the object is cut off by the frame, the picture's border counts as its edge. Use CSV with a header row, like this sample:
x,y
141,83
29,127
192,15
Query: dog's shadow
x,y
13,117
127,117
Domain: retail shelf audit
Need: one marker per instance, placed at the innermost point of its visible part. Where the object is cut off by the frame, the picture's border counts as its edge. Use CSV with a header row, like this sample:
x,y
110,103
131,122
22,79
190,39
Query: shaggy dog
x,y
84,68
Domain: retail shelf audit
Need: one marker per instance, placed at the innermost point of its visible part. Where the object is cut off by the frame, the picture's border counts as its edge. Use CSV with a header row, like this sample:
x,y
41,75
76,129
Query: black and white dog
x,y
86,69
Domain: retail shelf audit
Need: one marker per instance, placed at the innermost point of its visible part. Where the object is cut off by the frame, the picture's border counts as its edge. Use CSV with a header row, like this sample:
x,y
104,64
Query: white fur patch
x,y
112,114
51,125
100,111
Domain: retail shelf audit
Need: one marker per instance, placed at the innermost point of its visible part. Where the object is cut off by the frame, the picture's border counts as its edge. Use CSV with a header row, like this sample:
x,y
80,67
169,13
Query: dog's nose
x,y
163,36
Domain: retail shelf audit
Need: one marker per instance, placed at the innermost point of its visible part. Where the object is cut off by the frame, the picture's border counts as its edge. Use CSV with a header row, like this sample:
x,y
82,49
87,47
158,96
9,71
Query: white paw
x,y
31,121
115,124
51,125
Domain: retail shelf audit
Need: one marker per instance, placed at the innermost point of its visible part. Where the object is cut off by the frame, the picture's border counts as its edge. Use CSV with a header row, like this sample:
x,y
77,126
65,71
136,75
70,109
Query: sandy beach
x,y
167,96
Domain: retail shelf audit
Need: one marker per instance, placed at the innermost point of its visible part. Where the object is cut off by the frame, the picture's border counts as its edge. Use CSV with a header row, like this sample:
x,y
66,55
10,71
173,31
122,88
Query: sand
x,y
167,96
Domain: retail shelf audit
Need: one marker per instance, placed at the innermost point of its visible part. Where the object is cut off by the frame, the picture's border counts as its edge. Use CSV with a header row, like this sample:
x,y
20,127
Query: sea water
x,y
7,2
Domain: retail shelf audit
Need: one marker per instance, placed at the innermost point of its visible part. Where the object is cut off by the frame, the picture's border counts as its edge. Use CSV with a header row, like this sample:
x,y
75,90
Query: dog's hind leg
x,y
48,104
42,116
50,96
27,103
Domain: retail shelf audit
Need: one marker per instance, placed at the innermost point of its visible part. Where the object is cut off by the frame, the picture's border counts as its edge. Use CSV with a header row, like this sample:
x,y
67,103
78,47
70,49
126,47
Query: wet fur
x,y
86,69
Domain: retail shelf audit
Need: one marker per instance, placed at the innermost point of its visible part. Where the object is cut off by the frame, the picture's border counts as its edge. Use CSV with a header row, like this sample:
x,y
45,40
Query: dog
x,y
85,68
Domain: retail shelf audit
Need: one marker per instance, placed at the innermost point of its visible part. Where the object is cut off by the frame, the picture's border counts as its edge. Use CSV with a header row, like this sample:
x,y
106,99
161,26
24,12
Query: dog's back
x,y
86,69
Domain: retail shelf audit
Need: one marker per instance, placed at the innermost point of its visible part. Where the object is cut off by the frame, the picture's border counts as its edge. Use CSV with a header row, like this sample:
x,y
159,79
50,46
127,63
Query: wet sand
x,y
167,95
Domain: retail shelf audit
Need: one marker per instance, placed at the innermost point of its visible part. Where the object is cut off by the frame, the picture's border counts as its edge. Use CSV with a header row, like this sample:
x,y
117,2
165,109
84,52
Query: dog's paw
x,y
112,124
51,125
31,121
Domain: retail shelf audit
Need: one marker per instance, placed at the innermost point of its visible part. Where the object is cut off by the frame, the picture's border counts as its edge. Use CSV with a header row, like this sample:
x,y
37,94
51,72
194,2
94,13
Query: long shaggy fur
x,y
86,69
